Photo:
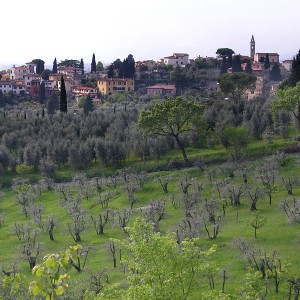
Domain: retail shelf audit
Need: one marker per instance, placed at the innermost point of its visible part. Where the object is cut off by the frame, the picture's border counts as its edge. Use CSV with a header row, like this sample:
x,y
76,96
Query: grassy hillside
x,y
276,235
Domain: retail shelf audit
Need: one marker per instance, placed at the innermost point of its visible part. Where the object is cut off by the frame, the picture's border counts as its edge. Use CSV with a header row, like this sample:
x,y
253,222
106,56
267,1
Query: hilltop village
x,y
172,179
170,76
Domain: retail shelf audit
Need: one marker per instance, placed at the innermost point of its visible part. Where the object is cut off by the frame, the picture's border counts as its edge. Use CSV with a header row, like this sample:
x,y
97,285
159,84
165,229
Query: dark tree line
x,y
125,69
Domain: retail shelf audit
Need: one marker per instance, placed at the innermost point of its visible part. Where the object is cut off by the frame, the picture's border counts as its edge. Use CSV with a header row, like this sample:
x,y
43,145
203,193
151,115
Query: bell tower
x,y
252,47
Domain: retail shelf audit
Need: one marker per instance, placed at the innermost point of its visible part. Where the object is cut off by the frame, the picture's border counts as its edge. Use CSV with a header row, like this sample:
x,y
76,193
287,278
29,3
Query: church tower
x,y
252,47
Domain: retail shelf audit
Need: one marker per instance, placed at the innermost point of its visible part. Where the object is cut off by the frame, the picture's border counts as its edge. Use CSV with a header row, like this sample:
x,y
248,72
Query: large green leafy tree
x,y
171,118
226,52
236,84
288,99
157,267
63,96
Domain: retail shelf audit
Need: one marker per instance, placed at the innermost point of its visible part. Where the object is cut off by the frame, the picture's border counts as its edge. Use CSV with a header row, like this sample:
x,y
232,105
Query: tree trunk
x,y
253,206
51,235
77,237
181,148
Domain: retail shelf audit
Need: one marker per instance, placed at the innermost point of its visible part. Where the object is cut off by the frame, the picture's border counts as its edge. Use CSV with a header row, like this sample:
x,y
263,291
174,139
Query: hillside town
x,y
149,76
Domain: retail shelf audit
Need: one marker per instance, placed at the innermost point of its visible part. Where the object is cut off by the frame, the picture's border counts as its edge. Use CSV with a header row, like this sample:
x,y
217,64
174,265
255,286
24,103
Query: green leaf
x,y
51,263
39,272
59,291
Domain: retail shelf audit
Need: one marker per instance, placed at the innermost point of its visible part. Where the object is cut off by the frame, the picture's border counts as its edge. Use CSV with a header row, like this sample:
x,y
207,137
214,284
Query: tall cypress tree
x,y
93,64
42,93
63,96
54,69
267,62
81,66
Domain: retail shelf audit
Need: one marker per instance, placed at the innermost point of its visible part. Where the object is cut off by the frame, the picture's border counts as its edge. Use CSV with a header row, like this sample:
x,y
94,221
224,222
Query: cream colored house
x,y
20,72
273,57
161,89
108,86
14,86
177,59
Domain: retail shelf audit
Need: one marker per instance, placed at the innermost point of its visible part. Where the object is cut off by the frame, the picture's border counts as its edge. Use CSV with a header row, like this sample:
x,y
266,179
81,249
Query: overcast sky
x,y
146,29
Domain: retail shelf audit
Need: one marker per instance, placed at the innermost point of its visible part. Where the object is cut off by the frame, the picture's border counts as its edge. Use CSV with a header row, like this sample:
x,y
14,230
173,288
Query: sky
x,y
65,29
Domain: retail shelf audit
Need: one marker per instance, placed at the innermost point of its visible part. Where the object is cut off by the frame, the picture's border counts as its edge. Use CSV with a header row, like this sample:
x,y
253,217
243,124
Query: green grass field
x,y
277,234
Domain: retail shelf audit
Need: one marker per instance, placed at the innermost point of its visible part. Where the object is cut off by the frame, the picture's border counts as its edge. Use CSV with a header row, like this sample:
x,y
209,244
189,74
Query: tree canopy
x,y
225,52
157,267
288,99
295,75
69,63
39,65
171,118
236,64
236,84
275,73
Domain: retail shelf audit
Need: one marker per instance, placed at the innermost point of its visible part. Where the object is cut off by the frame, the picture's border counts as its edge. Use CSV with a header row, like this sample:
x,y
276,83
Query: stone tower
x,y
252,47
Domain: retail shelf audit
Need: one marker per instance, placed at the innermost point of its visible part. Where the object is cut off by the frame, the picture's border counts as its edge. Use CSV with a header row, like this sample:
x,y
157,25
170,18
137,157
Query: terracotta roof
x,y
181,54
262,53
162,86
255,68
83,88
114,79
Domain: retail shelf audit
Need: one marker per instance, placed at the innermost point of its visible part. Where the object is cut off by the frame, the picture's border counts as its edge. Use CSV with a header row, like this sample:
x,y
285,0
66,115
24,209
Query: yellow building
x,y
108,86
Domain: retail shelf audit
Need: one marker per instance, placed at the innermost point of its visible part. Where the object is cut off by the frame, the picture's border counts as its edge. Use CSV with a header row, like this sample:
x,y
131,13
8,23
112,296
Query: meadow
x,y
277,235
